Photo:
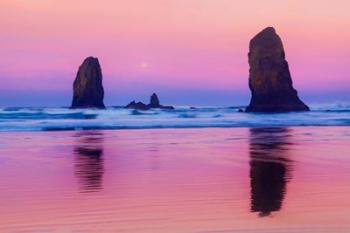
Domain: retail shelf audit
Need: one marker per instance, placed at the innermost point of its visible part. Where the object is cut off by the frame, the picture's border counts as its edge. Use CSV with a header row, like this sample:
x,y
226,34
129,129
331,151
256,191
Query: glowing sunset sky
x,y
188,51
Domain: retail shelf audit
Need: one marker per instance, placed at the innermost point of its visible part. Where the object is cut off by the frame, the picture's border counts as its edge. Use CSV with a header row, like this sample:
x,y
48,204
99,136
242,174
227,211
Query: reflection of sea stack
x,y
269,169
89,161
269,78
87,88
154,103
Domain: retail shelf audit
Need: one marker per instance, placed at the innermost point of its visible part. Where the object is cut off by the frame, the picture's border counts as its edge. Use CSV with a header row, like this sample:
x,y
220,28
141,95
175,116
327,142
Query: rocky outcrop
x,y
154,103
270,81
87,88
138,105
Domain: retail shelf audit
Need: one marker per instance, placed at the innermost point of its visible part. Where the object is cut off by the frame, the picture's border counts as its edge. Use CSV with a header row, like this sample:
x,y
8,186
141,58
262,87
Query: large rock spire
x,y
87,88
269,78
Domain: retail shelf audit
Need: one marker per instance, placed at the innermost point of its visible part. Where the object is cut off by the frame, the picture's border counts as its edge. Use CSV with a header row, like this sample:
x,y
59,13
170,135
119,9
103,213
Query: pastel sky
x,y
188,51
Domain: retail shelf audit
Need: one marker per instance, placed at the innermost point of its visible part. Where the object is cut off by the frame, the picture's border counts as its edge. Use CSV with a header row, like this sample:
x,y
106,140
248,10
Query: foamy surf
x,y
51,119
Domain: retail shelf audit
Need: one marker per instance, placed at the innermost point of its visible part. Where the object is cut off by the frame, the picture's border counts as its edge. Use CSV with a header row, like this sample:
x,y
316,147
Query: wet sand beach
x,y
292,179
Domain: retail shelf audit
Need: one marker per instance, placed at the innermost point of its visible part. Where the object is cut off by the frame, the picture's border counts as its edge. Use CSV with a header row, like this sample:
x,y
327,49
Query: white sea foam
x,y
41,119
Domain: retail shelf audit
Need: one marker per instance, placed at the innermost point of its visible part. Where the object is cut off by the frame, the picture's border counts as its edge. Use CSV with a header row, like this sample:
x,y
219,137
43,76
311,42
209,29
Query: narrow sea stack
x,y
154,101
270,81
87,87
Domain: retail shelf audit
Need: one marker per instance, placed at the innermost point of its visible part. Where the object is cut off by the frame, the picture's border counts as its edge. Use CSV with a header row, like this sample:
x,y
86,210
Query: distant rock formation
x,y
269,78
154,103
138,105
87,88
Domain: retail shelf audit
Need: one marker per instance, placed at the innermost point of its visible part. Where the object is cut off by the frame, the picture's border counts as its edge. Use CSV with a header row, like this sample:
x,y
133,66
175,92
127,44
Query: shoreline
x,y
178,129
173,128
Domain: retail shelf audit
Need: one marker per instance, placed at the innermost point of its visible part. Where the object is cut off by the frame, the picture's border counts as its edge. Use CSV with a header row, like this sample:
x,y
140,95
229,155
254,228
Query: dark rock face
x,y
138,105
269,78
154,103
87,88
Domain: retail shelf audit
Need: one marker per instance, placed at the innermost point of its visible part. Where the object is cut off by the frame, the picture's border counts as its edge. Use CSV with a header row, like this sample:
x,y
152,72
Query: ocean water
x,y
51,119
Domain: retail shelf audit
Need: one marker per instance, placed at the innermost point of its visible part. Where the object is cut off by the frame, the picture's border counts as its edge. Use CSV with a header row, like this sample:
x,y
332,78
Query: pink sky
x,y
155,45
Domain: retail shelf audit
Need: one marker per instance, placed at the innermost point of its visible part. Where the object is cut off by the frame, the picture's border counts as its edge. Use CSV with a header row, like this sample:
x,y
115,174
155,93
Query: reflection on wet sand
x,y
89,167
269,168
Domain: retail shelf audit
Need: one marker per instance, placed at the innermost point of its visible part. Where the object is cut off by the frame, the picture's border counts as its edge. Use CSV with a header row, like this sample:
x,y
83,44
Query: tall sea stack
x,y
87,87
269,78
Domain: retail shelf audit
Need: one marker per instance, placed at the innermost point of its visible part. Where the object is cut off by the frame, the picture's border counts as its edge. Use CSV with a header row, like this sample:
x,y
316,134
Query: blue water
x,y
49,119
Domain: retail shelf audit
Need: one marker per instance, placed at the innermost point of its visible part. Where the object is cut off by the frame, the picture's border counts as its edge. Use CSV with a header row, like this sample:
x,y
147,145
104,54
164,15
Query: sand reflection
x,y
270,168
89,161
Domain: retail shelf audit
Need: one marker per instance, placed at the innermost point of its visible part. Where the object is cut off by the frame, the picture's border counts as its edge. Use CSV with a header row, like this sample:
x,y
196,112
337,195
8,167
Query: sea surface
x,y
196,180
50,119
